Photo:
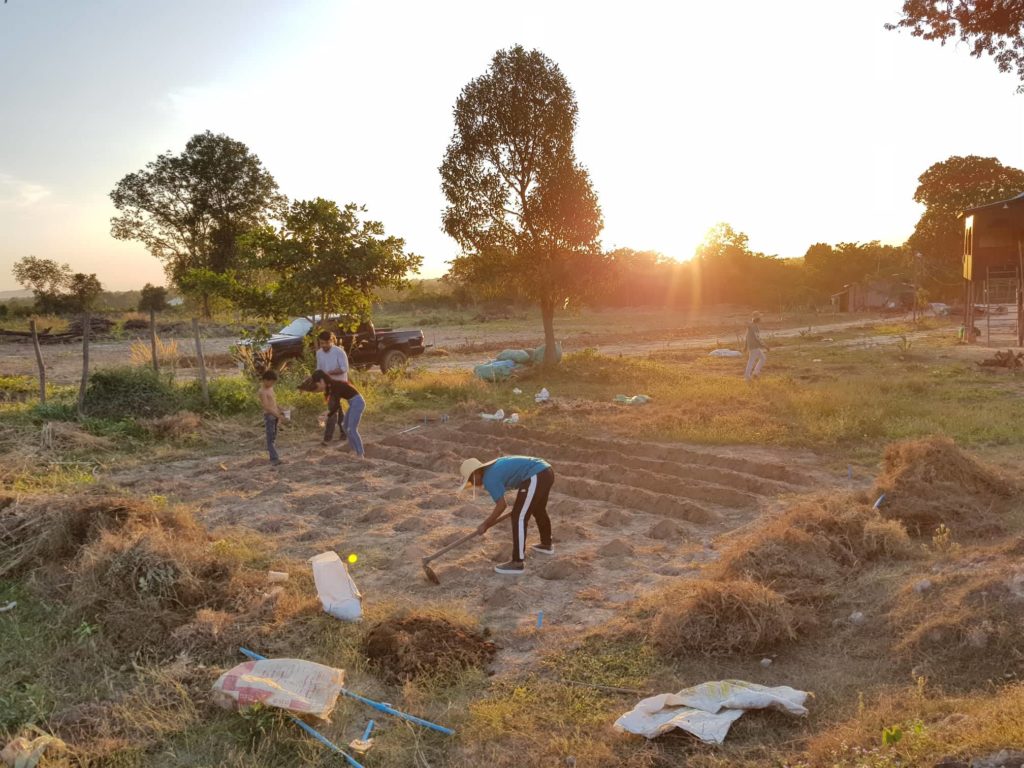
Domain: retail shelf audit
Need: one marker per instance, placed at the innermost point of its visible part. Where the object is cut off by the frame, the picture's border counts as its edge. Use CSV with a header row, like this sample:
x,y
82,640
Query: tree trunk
x,y
152,340
547,313
201,363
86,333
39,360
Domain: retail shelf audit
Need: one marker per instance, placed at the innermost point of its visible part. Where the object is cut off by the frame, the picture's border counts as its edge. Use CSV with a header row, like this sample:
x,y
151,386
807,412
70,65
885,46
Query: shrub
x,y
120,393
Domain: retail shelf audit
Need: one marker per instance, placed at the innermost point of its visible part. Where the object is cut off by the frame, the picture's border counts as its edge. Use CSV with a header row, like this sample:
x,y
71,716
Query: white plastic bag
x,y
296,685
335,588
543,396
498,415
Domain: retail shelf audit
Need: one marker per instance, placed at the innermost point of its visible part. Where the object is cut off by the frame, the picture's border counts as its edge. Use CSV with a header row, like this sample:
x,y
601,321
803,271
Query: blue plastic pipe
x,y
307,727
371,703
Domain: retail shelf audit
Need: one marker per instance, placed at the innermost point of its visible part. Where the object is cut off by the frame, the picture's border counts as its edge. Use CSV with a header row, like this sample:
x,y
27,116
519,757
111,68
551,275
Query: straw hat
x,y
469,466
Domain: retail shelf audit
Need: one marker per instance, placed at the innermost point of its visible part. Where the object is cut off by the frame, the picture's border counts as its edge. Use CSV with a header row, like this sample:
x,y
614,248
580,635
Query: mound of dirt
x,y
615,548
412,523
416,646
805,553
967,625
931,482
559,570
613,518
665,530
469,512
718,618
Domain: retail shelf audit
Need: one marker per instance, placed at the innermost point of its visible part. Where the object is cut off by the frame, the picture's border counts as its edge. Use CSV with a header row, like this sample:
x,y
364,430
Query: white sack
x,y
708,710
335,588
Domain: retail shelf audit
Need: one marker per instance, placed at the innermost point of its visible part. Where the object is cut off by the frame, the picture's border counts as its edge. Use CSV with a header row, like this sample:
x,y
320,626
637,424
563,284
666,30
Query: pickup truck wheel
x,y
393,358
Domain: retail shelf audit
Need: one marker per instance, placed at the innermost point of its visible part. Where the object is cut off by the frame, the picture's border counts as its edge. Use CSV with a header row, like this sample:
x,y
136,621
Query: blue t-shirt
x,y
509,471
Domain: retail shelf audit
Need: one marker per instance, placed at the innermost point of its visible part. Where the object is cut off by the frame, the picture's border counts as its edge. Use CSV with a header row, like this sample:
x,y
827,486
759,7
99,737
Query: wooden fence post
x,y
39,360
86,333
200,362
152,339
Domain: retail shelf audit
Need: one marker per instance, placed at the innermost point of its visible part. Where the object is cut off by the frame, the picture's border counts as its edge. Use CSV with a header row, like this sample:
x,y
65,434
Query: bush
x,y
54,412
121,393
229,396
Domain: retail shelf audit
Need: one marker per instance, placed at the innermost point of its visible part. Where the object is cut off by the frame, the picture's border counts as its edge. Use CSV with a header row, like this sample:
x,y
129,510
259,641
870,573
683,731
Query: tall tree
x,y
189,209
946,189
324,259
46,278
992,27
519,204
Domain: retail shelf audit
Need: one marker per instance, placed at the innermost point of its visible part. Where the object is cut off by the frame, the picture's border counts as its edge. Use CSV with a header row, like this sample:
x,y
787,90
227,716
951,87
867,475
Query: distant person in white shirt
x,y
332,360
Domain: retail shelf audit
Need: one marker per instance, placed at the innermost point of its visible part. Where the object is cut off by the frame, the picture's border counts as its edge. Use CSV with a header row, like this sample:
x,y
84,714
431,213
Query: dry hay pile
x,y
718,618
145,572
968,622
174,426
407,647
805,553
931,482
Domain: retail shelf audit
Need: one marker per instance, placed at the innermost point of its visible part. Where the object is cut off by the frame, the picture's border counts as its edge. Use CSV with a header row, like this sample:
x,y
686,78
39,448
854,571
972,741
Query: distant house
x,y
873,294
177,301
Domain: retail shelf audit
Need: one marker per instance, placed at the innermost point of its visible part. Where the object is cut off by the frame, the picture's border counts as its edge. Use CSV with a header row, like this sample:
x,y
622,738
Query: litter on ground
x,y
632,400
708,710
24,753
294,685
517,391
498,415
725,353
543,396
9,607
513,419
335,588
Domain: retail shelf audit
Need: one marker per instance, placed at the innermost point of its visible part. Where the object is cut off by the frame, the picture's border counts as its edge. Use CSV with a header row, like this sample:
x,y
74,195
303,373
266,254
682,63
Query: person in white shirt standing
x,y
332,360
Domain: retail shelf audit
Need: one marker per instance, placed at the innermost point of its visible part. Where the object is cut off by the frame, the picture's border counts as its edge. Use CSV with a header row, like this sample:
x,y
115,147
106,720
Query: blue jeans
x,y
270,423
356,406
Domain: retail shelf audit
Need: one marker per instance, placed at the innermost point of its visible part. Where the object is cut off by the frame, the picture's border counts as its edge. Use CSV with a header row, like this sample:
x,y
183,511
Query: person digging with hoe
x,y
532,479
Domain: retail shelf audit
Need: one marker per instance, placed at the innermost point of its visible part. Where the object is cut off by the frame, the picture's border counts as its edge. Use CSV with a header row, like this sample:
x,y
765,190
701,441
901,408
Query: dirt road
x,y
467,345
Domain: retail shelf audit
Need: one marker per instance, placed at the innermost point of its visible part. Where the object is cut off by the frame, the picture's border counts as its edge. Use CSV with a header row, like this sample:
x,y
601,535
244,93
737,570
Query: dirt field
x,y
618,510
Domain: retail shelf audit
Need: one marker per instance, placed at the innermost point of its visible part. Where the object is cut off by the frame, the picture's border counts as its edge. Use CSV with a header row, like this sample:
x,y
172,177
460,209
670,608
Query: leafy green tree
x,y
46,278
190,209
153,298
82,293
519,204
324,259
992,27
946,189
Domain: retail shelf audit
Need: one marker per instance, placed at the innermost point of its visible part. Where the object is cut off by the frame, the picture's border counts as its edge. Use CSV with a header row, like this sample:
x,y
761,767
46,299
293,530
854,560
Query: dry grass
x,y
805,553
967,625
721,617
929,482
167,352
176,426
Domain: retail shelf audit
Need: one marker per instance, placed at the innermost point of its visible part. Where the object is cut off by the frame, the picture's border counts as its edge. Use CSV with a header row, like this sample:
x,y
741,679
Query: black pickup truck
x,y
367,347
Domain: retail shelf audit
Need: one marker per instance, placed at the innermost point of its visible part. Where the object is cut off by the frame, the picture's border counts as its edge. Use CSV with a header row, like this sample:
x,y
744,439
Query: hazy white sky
x,y
797,121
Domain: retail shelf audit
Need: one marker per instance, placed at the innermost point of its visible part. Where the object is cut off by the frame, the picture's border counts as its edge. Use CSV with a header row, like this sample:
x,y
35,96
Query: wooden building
x,y
994,268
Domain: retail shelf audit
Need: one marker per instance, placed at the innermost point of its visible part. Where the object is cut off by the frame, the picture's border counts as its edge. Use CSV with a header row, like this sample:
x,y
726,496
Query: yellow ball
x,y
353,557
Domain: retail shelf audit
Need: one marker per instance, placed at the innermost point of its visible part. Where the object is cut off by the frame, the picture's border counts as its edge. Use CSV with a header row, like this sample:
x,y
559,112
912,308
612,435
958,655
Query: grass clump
x,y
805,553
964,623
717,618
929,482
119,393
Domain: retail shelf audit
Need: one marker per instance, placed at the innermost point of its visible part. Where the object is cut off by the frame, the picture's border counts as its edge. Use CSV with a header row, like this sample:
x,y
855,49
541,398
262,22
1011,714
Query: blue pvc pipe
x,y
879,502
307,727
366,733
375,704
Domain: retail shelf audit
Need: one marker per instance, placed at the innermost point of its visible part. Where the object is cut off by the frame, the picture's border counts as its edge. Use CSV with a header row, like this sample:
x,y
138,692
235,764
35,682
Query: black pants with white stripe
x,y
531,501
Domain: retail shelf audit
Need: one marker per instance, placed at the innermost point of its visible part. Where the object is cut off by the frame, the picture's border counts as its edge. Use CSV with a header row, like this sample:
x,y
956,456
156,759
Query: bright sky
x,y
797,122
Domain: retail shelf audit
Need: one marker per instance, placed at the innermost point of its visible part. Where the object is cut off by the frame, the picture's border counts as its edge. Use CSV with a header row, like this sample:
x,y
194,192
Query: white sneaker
x,y
541,549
